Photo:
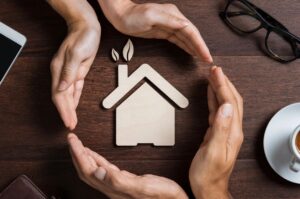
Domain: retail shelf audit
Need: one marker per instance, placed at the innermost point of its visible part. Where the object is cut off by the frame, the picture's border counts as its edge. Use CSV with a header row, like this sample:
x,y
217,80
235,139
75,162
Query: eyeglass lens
x,y
280,47
244,19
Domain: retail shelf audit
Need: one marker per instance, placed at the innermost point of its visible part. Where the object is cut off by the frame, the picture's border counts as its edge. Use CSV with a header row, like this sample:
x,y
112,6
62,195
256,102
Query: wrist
x,y
83,24
115,10
76,12
212,193
215,190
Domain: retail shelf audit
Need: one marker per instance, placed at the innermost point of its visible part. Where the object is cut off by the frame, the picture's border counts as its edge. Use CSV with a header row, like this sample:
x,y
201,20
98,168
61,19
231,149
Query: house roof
x,y
145,71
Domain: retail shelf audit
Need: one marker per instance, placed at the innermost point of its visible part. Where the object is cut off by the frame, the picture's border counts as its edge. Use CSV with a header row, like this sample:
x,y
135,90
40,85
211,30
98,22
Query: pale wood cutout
x,y
145,117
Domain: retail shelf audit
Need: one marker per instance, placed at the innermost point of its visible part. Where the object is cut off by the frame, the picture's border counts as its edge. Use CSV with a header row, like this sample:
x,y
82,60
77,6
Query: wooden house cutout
x,y
145,117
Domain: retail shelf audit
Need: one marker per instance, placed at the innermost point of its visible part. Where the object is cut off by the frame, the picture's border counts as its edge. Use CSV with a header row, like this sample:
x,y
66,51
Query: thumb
x,y
221,125
117,180
69,73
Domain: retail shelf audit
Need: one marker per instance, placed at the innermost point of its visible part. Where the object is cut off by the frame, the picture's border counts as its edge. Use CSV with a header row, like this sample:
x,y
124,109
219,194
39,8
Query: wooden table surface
x,y
33,139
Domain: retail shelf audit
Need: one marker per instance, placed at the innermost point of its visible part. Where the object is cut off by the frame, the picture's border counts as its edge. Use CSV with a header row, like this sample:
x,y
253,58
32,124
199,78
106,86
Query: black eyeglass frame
x,y
267,22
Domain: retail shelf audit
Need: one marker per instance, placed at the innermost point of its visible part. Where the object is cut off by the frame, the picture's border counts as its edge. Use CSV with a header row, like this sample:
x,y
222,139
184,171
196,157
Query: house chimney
x,y
122,73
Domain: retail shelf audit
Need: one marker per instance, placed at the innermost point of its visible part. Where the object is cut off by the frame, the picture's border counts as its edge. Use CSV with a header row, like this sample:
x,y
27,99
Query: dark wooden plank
x,y
33,137
45,29
59,178
250,179
30,120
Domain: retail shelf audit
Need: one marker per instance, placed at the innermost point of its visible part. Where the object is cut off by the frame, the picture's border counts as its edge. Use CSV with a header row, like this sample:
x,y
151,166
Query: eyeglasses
x,y
245,18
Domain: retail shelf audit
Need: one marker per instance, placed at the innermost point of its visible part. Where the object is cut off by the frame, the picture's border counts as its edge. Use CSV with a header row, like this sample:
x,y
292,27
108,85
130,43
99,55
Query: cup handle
x,y
294,164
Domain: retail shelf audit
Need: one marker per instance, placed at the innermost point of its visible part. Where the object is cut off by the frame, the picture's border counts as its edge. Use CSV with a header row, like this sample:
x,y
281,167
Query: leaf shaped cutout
x,y
128,50
115,55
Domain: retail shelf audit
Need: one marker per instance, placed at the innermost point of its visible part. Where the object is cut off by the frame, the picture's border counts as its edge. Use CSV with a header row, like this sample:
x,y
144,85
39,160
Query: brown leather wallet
x,y
22,188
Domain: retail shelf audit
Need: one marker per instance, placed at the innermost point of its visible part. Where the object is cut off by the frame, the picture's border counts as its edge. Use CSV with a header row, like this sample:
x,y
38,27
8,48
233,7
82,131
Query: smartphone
x,y
11,44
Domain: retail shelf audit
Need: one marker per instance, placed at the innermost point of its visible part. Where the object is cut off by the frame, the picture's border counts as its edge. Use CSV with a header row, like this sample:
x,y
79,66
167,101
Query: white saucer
x,y
276,141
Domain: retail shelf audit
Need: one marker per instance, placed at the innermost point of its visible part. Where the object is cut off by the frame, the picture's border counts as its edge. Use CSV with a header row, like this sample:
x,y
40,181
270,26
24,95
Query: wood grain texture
x,y
33,139
45,29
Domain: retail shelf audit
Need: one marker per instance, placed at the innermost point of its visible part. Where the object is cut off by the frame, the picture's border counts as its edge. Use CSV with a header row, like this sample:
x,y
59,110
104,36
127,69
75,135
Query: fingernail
x,y
100,173
62,86
208,59
213,68
227,110
71,136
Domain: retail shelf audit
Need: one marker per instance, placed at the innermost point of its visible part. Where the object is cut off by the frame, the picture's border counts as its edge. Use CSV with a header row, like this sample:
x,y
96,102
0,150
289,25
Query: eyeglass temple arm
x,y
273,20
268,17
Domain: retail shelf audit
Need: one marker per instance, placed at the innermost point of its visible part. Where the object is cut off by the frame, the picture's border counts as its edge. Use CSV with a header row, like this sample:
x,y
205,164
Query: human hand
x,y
100,174
213,163
159,21
75,56
70,66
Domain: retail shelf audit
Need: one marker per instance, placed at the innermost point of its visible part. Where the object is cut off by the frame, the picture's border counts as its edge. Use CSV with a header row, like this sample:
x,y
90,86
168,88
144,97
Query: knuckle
x,y
238,139
148,14
66,71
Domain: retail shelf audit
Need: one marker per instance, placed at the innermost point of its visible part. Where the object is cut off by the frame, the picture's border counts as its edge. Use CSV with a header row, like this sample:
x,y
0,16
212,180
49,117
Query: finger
x,y
172,24
222,124
100,160
224,92
188,33
238,97
57,64
120,182
212,104
91,180
62,99
173,39
81,74
64,103
55,69
164,33
80,155
77,92
83,176
69,71
194,37
191,36
220,87
163,19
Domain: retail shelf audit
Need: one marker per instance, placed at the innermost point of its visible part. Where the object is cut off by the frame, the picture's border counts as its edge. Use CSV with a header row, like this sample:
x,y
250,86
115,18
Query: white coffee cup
x,y
295,161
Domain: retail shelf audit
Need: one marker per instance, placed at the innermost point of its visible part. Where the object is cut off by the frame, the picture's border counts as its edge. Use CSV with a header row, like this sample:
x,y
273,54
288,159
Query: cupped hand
x,y
100,174
70,66
213,163
159,21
